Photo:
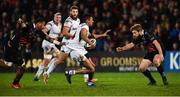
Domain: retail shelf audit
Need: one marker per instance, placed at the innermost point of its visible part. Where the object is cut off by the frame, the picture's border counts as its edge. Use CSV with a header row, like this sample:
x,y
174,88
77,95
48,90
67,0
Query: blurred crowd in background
x,y
161,17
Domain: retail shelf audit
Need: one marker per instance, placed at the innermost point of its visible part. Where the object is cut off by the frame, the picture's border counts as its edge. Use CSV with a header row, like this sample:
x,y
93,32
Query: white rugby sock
x,y
40,71
86,77
52,61
51,66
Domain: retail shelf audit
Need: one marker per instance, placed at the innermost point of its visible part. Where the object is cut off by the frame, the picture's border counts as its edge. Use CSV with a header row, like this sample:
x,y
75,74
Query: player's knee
x,y
46,61
157,62
20,69
92,69
142,68
59,61
23,69
47,56
61,57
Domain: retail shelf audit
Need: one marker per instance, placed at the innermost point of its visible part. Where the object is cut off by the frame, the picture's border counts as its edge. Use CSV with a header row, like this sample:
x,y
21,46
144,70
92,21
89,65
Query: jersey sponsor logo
x,y
172,62
74,28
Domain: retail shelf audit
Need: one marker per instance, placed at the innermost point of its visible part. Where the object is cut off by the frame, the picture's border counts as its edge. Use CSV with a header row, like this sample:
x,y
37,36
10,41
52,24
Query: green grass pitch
x,y
108,84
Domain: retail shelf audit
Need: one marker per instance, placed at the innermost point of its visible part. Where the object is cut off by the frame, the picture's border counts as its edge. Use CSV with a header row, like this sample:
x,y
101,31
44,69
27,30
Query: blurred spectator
x,y
1,44
157,16
175,36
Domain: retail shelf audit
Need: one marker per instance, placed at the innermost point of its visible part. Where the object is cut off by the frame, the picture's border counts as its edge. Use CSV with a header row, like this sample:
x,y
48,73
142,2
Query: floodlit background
x,y
118,73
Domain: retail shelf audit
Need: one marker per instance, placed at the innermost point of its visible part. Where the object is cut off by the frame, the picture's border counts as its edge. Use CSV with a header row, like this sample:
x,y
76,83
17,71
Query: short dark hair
x,y
136,27
74,7
86,17
57,13
40,19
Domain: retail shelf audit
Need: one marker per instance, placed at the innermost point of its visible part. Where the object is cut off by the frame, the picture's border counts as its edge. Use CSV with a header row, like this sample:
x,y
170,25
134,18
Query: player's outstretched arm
x,y
158,47
50,39
126,47
53,40
96,36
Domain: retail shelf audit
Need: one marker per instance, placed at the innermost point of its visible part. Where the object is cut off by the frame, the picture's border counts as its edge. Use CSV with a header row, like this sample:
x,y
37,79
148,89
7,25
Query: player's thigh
x,y
144,64
80,57
3,64
88,65
66,49
90,59
46,61
92,62
54,50
61,57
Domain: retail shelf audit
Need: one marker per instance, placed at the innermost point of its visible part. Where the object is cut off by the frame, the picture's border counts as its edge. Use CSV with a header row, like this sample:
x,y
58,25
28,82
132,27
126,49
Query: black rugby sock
x,y
161,70
90,76
19,73
148,75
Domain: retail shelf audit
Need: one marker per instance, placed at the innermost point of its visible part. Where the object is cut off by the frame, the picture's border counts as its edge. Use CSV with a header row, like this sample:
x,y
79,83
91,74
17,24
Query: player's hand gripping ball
x,y
157,60
93,41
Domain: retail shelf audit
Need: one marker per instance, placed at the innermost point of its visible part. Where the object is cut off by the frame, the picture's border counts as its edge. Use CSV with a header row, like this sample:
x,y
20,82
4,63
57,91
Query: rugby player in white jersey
x,y
95,36
70,26
78,51
50,50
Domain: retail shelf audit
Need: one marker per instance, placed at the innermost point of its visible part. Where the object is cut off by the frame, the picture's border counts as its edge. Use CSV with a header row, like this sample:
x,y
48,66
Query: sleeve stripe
x,y
49,24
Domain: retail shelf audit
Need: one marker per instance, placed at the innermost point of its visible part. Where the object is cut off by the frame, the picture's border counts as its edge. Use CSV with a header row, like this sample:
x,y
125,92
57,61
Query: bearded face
x,y
74,14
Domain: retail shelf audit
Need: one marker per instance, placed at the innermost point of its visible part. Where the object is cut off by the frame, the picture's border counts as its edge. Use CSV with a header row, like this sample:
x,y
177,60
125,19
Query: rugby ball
x,y
93,41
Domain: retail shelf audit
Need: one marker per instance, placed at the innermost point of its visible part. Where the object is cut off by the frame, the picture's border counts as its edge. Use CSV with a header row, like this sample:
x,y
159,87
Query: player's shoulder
x,y
69,19
84,25
78,20
148,34
50,23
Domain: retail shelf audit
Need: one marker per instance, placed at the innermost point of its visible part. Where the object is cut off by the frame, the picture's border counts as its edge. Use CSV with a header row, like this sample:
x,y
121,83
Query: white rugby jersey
x,y
73,25
54,29
77,42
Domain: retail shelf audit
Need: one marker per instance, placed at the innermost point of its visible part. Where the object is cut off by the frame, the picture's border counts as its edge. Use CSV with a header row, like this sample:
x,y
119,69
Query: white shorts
x,y
78,56
66,49
47,47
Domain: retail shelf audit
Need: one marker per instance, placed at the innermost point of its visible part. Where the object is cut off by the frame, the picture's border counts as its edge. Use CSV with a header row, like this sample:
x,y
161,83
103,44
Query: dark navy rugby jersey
x,y
147,40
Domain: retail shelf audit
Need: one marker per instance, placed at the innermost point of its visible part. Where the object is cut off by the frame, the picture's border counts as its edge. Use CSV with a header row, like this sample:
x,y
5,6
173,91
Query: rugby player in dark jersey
x,y
155,52
22,35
